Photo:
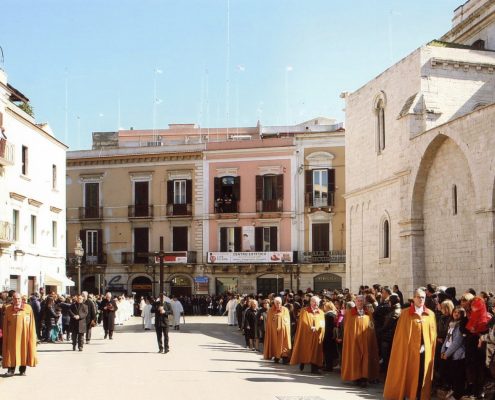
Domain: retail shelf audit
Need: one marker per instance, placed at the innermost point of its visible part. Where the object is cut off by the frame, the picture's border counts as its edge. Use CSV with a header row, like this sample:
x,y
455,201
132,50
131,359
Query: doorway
x,y
181,286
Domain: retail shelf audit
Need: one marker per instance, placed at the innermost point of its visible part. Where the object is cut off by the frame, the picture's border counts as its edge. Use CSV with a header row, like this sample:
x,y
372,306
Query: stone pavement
x,y
206,361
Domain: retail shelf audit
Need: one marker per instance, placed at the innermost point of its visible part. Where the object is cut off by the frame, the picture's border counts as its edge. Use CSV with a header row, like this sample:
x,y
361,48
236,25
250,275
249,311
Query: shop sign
x,y
177,257
250,257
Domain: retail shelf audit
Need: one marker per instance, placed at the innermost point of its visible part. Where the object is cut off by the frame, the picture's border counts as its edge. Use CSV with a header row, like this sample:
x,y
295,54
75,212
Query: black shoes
x,y
276,360
106,335
166,350
10,372
80,349
160,351
73,348
301,367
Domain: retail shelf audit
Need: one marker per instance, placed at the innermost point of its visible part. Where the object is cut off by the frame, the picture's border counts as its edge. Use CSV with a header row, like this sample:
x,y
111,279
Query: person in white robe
x,y
177,310
147,316
230,309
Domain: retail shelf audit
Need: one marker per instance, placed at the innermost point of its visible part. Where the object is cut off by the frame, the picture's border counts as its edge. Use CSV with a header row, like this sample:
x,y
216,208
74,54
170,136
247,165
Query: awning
x,y
57,279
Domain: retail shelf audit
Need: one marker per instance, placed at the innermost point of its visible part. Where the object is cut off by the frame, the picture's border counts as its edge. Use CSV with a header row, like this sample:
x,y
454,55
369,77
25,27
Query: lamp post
x,y
79,252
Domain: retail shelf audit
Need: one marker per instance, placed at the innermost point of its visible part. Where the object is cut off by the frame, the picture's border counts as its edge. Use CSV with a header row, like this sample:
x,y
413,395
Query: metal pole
x,y
291,272
161,264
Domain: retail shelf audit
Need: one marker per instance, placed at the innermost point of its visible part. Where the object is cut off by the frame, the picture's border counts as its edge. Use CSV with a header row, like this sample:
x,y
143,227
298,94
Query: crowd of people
x,y
27,322
435,341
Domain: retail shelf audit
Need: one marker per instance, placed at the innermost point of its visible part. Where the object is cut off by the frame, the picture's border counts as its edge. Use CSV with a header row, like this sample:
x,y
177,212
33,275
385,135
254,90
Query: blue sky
x,y
105,53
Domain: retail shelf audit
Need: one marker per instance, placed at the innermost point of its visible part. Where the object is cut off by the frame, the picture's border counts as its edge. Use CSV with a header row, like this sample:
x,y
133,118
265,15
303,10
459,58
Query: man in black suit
x,y
78,312
91,318
162,310
108,307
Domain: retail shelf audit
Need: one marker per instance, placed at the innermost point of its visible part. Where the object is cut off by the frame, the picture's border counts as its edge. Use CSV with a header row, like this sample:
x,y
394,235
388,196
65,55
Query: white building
x,y
32,199
419,163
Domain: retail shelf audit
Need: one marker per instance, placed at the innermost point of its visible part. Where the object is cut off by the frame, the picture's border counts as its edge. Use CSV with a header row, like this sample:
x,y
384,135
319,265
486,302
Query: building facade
x,y
32,198
224,206
419,170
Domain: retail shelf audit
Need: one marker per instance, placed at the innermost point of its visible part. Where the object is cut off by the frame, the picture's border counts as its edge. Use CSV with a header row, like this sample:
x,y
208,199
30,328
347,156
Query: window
x,y
180,192
54,176
24,160
227,194
478,44
454,199
33,229
91,249
91,200
15,225
385,239
141,199
179,240
320,237
269,193
230,239
265,238
320,188
141,245
380,124
54,233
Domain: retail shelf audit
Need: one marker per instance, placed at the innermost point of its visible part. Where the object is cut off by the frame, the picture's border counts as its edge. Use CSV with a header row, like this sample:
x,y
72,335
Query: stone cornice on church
x,y
456,64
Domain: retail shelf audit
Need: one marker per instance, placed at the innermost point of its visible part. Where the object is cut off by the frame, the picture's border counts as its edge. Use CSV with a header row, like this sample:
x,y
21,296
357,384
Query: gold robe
x,y
308,344
19,337
277,341
403,368
360,350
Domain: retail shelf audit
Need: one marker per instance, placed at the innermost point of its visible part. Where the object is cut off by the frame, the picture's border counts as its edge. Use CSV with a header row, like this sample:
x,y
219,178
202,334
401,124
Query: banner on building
x,y
252,257
201,284
177,257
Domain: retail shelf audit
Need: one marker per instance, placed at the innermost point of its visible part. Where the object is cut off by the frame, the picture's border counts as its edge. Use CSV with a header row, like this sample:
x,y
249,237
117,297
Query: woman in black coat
x,y
50,317
330,353
251,325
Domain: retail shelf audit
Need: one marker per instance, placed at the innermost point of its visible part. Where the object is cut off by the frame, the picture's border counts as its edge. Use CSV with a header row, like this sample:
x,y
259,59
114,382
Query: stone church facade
x,y
420,169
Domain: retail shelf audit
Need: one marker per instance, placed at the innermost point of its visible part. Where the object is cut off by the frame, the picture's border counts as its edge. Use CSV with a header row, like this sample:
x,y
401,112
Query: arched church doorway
x,y
142,287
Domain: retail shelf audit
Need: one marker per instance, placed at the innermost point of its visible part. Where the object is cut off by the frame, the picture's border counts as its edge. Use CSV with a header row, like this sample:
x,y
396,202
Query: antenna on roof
x,y
2,59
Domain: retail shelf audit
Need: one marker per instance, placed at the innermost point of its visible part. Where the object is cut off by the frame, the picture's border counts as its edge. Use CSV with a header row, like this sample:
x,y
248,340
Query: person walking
x,y
162,310
91,318
308,344
19,337
410,371
277,340
108,307
78,312
147,315
177,311
230,309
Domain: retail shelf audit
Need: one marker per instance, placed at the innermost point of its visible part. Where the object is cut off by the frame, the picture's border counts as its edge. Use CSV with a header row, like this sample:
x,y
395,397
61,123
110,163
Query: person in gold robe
x,y
308,344
360,351
277,341
19,337
410,370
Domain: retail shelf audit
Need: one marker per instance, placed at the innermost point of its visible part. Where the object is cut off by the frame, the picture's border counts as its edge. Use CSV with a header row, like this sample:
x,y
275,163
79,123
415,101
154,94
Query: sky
x,y
101,65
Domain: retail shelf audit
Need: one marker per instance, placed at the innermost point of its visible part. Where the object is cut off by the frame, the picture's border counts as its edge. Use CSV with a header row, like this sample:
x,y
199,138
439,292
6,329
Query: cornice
x,y
134,159
456,64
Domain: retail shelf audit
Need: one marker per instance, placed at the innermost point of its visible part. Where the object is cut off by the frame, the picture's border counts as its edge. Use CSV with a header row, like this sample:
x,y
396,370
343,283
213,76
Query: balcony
x,y
226,207
322,257
6,233
263,206
91,213
6,153
132,257
97,260
312,202
140,211
177,210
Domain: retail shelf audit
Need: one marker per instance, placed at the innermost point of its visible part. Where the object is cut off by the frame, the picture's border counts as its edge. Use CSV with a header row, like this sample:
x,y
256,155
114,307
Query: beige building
x,y
419,171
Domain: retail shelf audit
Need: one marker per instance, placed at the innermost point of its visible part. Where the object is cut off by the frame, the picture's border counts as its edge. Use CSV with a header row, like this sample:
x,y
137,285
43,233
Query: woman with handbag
x,y
453,354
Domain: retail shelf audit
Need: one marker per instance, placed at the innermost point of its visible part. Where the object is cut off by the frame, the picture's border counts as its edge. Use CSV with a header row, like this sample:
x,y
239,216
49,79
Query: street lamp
x,y
79,252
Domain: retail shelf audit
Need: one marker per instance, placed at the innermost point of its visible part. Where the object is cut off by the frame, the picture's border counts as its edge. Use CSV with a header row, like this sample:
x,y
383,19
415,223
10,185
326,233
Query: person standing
x,y
177,311
78,312
277,340
91,318
308,344
410,371
147,315
19,337
251,325
330,353
231,309
162,310
360,352
108,307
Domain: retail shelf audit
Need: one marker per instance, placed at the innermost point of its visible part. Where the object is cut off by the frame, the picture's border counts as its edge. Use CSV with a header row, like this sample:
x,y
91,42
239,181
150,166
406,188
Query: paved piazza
x,y
206,361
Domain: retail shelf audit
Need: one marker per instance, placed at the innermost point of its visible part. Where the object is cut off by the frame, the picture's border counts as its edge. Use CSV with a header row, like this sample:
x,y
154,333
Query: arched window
x,y
478,44
380,124
385,238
